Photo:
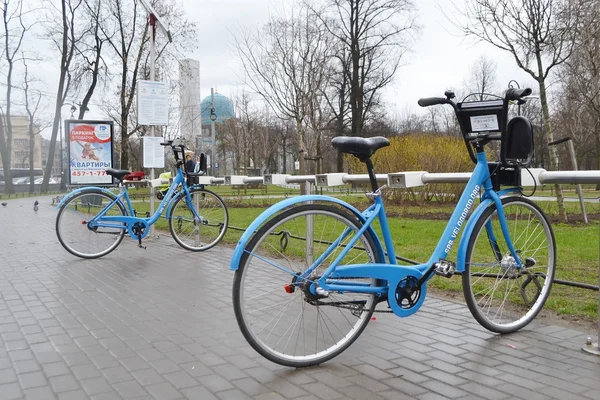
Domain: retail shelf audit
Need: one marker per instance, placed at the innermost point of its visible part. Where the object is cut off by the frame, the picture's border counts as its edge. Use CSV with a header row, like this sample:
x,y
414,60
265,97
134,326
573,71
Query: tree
x,y
580,84
540,35
373,36
284,63
66,43
32,106
482,78
91,67
130,46
14,28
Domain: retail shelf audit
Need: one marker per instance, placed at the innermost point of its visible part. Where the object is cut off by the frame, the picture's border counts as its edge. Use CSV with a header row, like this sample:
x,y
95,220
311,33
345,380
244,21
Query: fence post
x,y
309,229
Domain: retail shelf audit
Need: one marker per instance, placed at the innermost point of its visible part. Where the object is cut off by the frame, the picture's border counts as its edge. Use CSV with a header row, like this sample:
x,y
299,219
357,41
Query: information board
x,y
153,103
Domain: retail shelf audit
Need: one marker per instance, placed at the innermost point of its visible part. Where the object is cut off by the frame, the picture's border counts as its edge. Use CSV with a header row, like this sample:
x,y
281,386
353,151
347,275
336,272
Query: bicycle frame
x,y
391,272
101,220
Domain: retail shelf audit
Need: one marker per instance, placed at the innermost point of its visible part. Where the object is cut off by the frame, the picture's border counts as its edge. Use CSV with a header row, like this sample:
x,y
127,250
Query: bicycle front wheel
x,y
196,234
502,296
277,313
81,239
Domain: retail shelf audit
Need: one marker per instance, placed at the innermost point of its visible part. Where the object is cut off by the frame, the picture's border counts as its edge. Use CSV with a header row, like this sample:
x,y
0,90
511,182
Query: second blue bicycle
x,y
92,221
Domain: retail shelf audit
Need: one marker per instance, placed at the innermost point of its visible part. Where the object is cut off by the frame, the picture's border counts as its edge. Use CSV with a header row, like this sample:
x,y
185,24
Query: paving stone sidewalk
x,y
158,324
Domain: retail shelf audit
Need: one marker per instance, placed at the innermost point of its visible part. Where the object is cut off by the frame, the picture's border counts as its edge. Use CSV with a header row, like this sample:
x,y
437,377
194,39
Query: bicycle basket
x,y
517,143
482,116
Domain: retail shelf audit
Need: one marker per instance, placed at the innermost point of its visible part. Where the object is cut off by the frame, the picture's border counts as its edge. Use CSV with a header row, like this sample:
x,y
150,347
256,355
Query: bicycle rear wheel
x,y
77,237
502,297
278,316
204,234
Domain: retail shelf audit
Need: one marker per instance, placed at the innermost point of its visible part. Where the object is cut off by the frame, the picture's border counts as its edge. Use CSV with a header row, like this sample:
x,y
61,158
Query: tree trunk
x,y
340,132
31,154
124,142
8,186
552,150
355,81
64,65
284,158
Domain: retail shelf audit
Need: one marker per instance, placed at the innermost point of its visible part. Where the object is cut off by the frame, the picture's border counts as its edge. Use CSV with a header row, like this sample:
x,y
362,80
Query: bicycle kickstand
x,y
140,242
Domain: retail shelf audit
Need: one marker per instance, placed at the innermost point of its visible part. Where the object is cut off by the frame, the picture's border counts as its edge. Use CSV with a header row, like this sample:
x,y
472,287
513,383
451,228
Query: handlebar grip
x,y
432,101
516,94
167,143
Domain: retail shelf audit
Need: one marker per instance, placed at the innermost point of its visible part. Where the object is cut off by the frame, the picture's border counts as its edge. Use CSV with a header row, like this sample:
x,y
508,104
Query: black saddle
x,y
118,173
360,147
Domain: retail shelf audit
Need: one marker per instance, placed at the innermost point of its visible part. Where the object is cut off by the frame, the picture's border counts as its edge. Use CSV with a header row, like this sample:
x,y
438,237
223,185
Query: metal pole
x,y
152,77
63,181
590,347
212,133
309,231
579,191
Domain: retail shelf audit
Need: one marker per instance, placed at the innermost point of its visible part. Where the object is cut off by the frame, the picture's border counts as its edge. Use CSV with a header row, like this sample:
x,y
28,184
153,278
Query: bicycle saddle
x,y
360,147
118,173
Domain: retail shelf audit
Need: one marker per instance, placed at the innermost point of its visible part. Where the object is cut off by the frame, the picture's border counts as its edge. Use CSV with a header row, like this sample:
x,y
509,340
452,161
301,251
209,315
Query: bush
x,y
421,152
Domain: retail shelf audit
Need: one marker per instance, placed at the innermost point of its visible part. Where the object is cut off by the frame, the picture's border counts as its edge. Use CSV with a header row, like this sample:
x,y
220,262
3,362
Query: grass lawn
x,y
416,229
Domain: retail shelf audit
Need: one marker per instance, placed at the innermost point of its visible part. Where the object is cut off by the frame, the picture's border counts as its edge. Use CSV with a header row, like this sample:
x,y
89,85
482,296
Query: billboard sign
x,y
90,151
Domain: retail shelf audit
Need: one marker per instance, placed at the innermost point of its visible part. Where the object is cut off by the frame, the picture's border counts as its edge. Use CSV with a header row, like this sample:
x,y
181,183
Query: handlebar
x,y
432,101
516,94
479,136
511,94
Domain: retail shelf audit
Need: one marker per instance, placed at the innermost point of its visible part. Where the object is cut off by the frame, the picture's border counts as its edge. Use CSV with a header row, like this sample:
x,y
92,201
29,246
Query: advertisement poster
x,y
90,148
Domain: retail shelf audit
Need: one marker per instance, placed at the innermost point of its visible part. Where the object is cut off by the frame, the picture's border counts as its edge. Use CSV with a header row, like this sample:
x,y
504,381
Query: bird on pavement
x,y
4,204
35,206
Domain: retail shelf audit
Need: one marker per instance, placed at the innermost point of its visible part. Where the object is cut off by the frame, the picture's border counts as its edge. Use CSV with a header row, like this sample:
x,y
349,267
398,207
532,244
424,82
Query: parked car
x,y
36,180
40,180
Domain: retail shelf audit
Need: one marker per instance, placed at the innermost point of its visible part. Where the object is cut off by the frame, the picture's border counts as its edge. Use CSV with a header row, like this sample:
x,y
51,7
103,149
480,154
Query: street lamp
x,y
213,118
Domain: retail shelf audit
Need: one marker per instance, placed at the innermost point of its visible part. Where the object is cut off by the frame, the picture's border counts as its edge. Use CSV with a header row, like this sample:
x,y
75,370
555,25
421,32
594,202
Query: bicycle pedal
x,y
445,268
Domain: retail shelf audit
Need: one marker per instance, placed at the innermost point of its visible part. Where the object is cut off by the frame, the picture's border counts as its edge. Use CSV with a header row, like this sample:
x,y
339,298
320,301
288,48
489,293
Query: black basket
x,y
482,116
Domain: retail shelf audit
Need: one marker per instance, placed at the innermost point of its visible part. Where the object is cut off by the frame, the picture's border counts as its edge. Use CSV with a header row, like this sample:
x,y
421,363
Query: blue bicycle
x,y
92,221
310,270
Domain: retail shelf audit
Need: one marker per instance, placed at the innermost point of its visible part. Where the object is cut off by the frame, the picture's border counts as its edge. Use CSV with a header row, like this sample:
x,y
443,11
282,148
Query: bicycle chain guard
x,y
139,226
403,297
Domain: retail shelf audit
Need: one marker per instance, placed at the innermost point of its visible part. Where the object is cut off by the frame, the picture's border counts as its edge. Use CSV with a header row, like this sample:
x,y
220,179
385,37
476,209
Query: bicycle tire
x,y
200,235
516,295
76,236
292,312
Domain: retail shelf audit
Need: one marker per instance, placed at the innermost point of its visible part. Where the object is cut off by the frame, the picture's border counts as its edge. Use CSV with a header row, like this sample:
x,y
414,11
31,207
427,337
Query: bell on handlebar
x,y
449,94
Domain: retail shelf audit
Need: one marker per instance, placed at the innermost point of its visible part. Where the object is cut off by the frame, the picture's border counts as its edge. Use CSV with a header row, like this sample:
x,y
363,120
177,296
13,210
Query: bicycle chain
x,y
346,306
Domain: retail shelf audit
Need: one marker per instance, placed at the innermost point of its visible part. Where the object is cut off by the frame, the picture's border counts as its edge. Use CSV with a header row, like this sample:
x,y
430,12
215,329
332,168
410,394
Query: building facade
x,y
20,152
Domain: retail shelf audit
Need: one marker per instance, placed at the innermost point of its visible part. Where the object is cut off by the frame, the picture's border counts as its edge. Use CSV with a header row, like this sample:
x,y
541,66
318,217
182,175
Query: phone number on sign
x,y
88,173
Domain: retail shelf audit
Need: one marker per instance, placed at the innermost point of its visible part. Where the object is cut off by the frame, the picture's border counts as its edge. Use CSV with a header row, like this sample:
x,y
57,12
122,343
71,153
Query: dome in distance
x,y
223,108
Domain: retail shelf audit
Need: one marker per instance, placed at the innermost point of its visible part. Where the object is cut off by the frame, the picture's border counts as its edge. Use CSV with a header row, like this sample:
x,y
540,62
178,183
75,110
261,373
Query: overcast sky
x,y
439,59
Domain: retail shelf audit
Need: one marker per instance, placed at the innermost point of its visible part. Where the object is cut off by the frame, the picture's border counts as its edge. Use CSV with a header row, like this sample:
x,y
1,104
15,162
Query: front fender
x,y
274,209
81,190
464,240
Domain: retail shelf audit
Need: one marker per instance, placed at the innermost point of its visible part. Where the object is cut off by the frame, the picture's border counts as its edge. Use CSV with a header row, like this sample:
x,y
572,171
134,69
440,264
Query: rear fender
x,y
83,190
274,209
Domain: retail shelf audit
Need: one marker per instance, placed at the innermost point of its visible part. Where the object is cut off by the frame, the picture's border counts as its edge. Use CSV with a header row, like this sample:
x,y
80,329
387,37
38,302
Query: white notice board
x,y
153,103
154,156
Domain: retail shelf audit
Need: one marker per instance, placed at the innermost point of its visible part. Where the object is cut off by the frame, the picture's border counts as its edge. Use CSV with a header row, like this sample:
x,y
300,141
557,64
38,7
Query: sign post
x,y
153,21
